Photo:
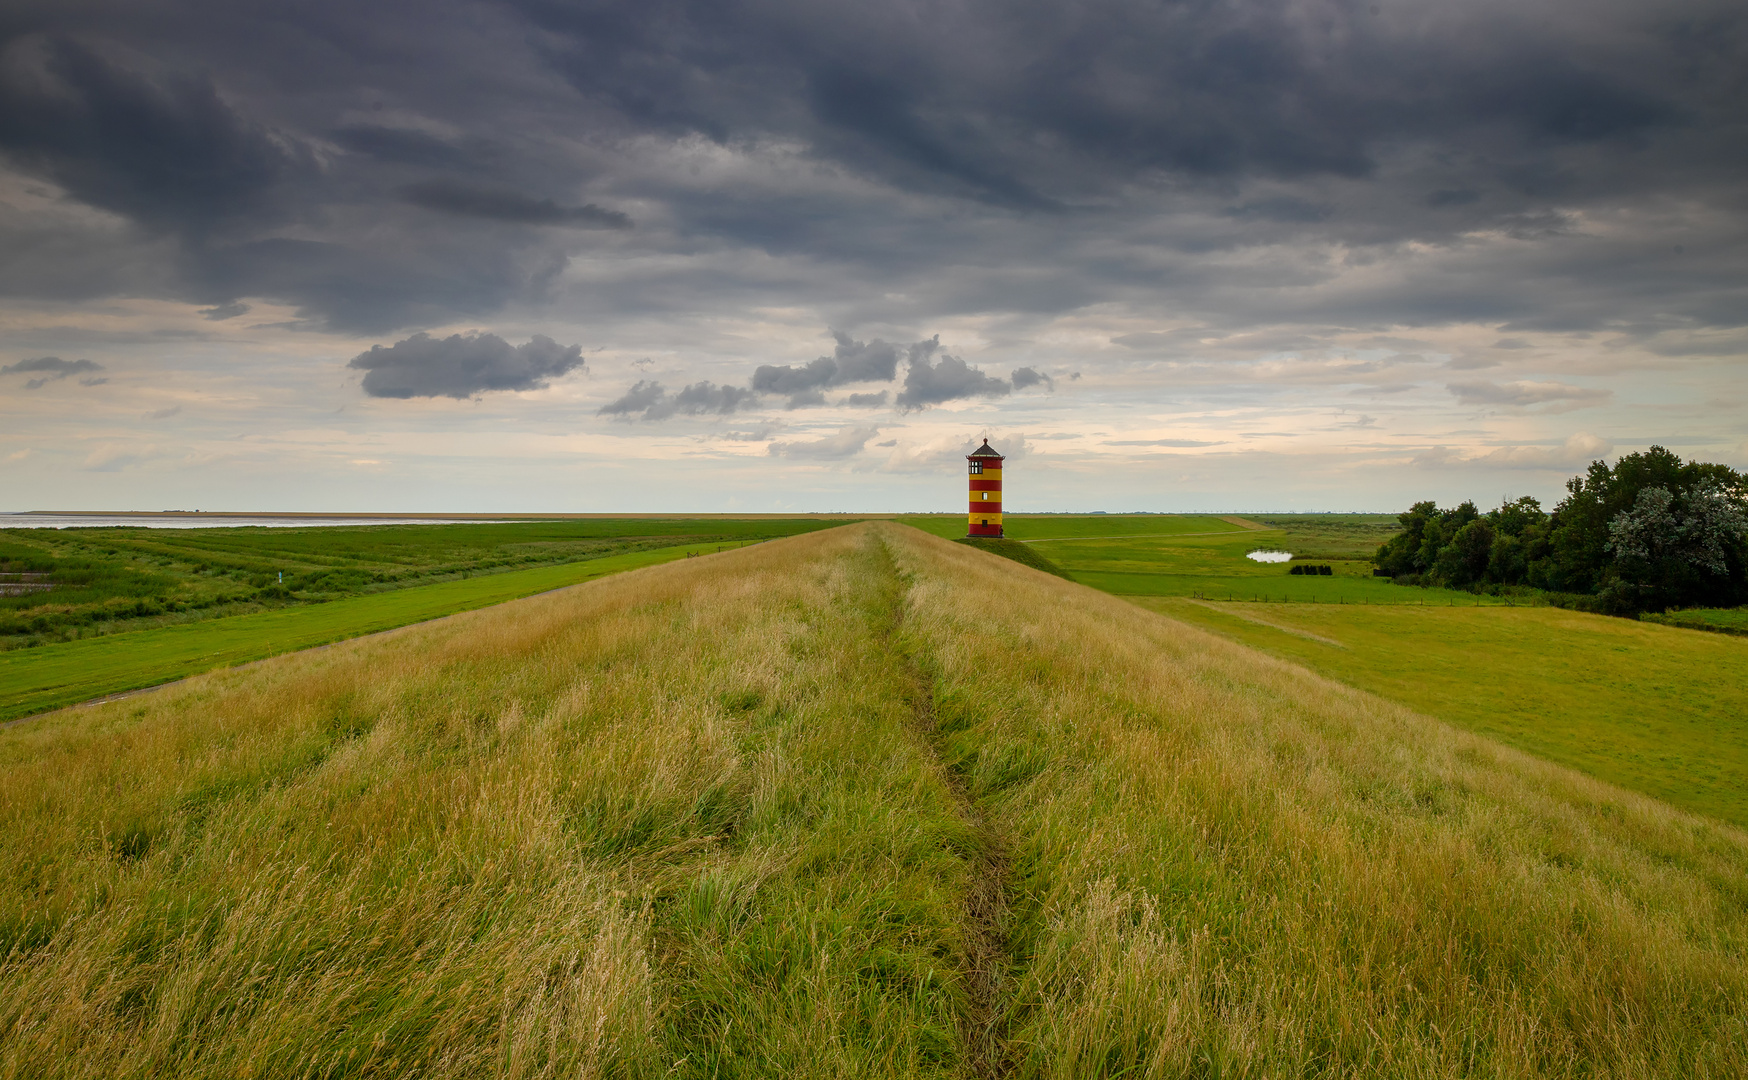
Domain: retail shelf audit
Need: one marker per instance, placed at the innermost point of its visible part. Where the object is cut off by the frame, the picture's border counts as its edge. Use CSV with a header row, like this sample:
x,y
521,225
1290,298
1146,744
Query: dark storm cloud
x,y
495,204
171,154
404,146
1031,157
50,368
948,379
461,366
986,97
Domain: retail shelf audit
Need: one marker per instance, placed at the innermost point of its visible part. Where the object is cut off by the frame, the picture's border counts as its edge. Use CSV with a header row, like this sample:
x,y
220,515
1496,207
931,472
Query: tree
x,y
1649,532
1464,560
1674,549
1582,555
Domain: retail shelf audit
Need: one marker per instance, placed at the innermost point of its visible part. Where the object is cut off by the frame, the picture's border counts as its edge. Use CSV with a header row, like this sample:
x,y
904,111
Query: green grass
x,y
1655,710
51,676
123,578
1647,707
1216,567
1024,554
1717,620
859,803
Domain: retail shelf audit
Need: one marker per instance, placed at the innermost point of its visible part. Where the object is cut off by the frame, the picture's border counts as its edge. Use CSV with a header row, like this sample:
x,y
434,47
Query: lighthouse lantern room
x,y
985,491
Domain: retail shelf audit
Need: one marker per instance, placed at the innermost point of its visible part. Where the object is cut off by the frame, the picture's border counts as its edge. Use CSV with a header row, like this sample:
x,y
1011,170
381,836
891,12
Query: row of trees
x,y
1650,533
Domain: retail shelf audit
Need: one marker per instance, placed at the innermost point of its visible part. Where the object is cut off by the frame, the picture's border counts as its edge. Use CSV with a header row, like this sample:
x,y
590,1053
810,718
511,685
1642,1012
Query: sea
x,y
195,520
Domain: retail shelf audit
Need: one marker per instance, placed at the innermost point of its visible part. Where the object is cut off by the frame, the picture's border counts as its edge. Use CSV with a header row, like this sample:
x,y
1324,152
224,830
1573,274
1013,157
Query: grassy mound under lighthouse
x,y
985,491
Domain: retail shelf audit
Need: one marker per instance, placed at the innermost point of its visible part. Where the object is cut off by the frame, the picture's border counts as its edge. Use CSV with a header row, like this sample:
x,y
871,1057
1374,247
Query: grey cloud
x,y
706,397
696,399
165,413
50,368
1524,394
494,204
851,362
867,401
643,396
224,311
848,442
1025,377
951,378
461,366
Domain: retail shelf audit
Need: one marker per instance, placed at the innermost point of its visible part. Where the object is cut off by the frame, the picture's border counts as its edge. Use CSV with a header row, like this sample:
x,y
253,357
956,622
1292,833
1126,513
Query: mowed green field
x,y
50,676
1652,708
1190,562
860,803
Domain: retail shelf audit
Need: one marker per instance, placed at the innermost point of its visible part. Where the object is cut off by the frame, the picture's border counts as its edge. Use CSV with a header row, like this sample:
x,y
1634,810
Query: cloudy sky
x,y
773,255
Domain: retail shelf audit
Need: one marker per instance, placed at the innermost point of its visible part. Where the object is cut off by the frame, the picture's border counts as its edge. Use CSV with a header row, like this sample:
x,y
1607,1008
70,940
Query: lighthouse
x,y
985,491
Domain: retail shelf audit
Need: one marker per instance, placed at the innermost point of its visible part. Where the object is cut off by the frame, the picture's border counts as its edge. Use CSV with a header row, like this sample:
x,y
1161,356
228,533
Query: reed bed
x,y
862,803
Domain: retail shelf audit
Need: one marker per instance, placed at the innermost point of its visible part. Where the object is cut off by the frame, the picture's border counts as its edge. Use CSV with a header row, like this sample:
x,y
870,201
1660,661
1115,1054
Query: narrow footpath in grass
x,y
49,677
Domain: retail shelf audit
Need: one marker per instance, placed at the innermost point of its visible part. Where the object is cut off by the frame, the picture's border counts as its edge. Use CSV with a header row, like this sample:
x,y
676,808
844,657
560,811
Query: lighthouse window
x,y
976,468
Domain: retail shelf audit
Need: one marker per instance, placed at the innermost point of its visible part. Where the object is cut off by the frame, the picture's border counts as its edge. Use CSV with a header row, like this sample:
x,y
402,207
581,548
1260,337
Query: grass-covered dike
x,y
856,803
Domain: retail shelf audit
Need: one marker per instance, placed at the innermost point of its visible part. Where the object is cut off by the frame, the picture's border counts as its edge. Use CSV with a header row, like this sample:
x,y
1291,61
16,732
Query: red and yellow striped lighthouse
x,y
985,491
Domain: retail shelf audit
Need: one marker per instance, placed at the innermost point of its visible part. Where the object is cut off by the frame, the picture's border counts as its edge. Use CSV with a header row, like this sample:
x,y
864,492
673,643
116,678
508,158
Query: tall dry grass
x,y
675,821
768,812
1225,865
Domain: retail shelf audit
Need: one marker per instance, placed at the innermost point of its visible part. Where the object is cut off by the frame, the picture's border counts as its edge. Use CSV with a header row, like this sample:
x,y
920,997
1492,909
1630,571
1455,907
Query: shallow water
x,y
1269,556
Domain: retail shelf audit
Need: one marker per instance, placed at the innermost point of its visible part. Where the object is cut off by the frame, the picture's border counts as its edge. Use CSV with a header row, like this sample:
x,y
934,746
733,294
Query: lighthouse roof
x,y
984,451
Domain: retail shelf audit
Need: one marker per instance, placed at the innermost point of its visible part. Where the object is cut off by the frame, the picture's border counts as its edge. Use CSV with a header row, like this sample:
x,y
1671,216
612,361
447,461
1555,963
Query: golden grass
x,y
1229,866
769,812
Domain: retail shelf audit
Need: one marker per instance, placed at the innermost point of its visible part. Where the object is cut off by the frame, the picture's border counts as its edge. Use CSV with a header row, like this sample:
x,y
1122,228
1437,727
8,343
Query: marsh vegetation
x,y
119,579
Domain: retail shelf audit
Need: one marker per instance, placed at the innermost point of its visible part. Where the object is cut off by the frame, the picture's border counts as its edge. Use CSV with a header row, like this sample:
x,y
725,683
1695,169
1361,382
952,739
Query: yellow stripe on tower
x,y
978,519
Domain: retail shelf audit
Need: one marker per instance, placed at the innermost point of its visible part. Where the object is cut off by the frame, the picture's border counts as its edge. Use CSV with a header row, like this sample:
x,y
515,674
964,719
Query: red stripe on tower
x,y
985,517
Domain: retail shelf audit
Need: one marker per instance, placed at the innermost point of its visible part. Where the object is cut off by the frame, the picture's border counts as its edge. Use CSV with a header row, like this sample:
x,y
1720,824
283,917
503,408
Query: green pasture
x,y
1215,566
1032,527
1718,620
1652,708
51,676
